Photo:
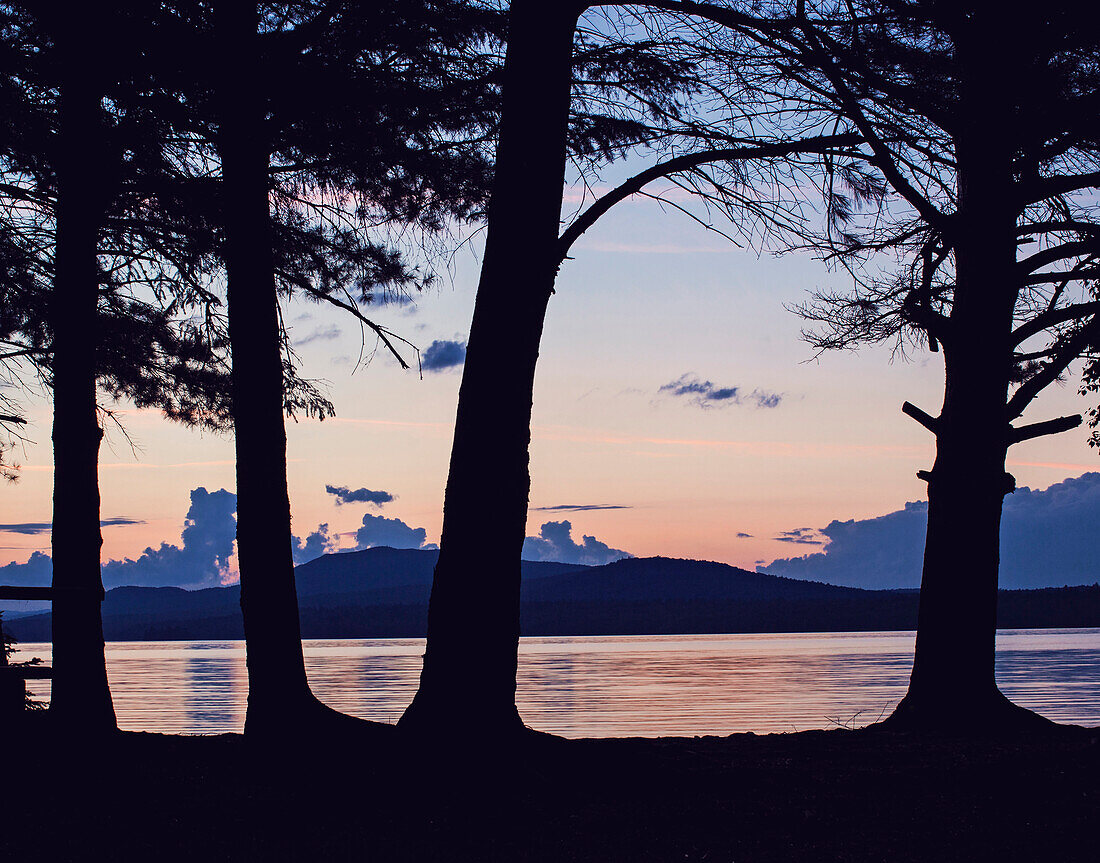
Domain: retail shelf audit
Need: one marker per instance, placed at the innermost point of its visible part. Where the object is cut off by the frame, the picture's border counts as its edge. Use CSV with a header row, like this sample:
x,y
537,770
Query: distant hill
x,y
388,576
648,579
383,592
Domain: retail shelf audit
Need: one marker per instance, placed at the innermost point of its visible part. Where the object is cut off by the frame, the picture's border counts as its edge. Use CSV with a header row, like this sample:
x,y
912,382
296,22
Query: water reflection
x,y
1029,676
613,685
371,678
217,686
714,684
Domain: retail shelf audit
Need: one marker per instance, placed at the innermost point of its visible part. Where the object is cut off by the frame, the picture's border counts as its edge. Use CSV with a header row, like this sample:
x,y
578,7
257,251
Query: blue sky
x,y
676,413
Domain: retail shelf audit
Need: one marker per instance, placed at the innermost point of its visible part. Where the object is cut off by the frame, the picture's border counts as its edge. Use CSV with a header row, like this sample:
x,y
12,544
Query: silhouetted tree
x,y
473,619
81,241
326,117
80,693
983,125
469,675
276,671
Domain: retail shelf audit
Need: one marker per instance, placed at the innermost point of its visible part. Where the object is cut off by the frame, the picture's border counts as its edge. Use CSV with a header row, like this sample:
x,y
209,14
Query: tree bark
x,y
278,693
953,668
80,696
468,682
953,681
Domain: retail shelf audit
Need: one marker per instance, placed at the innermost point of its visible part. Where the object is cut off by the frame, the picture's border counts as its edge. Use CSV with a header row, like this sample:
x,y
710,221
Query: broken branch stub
x,y
927,420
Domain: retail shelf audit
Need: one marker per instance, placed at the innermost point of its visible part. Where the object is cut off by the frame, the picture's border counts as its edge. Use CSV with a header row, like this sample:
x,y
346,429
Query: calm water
x,y
611,685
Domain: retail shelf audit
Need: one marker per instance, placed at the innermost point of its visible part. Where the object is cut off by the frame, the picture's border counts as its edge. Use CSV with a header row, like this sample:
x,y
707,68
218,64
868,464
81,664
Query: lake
x,y
610,686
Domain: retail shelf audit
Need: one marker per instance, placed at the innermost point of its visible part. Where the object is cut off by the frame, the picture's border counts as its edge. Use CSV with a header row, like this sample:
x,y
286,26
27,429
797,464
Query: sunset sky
x,y
654,323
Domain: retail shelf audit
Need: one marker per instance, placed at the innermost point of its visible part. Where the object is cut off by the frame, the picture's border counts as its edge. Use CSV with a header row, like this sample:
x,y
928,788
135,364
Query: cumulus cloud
x,y
578,507
316,544
877,552
343,495
36,572
202,558
707,394
555,542
1047,539
442,355
38,527
378,530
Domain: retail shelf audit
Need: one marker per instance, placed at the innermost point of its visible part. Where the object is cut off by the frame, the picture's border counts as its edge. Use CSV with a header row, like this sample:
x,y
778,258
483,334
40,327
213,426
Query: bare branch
x,y
383,334
1050,187
1053,317
884,158
1052,254
1034,430
679,164
1065,353
1066,276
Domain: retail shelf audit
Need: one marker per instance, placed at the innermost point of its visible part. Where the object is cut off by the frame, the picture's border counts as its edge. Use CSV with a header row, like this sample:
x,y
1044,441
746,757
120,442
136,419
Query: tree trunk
x,y
468,682
952,683
80,696
953,678
278,693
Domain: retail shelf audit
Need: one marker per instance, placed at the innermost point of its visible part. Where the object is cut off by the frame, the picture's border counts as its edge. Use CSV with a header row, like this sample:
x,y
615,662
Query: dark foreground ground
x,y
833,795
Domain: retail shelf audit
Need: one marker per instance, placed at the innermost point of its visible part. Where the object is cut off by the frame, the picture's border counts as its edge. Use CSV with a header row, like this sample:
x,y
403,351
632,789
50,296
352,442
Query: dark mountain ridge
x,y
668,578
383,592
